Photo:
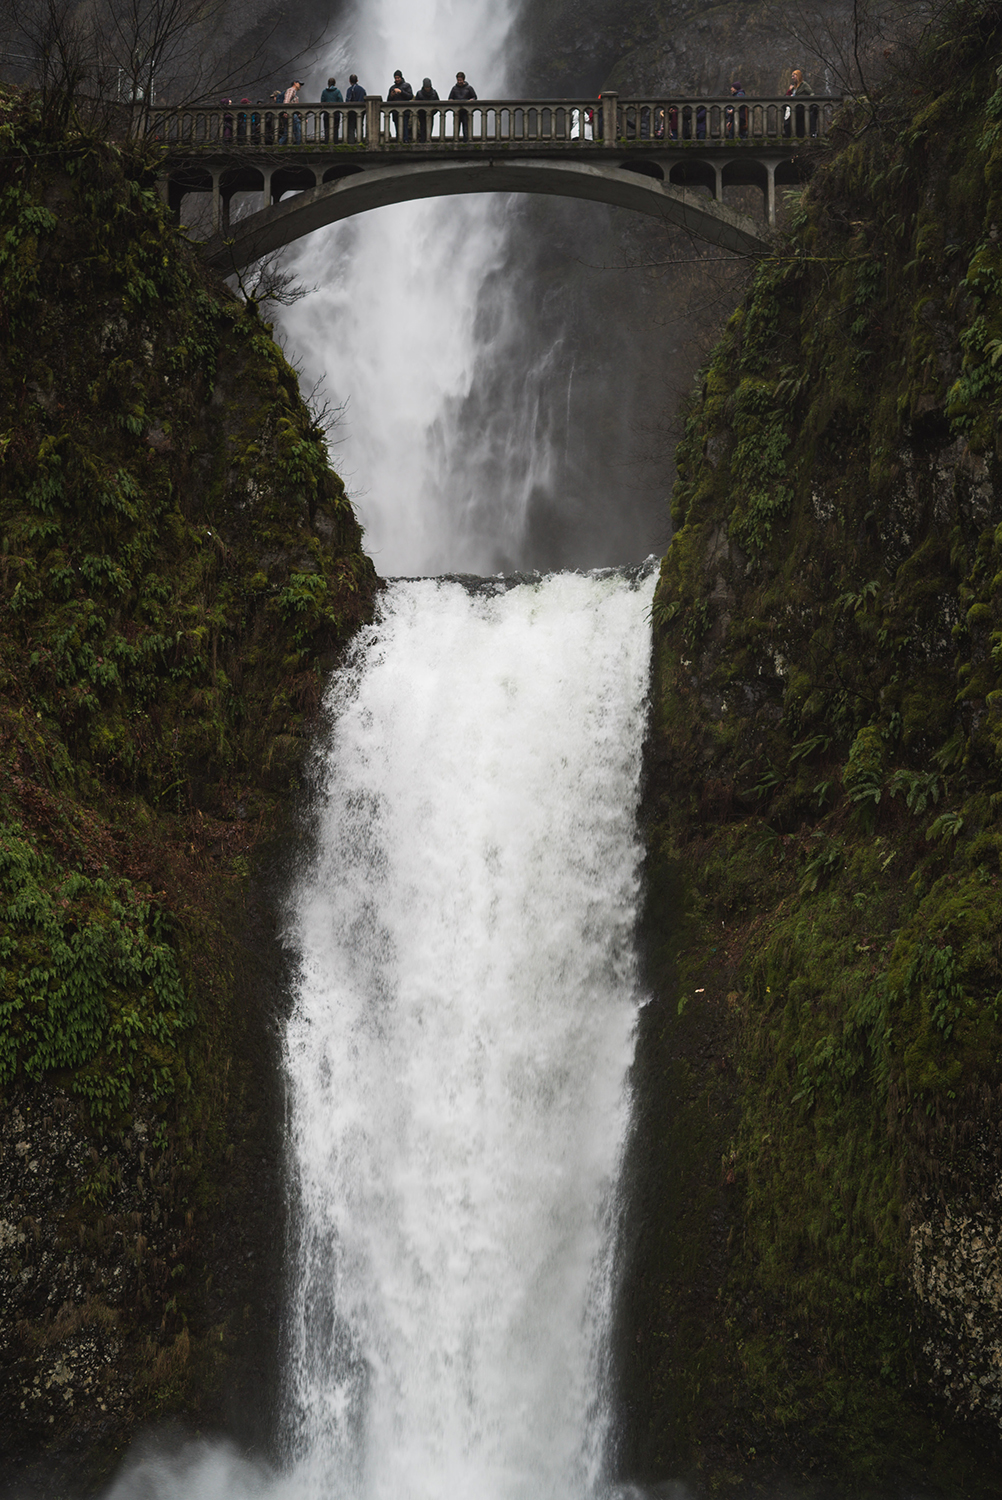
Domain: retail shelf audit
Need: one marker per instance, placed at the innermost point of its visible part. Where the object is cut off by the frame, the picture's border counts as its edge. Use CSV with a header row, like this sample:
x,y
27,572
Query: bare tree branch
x,y
855,43
267,280
139,52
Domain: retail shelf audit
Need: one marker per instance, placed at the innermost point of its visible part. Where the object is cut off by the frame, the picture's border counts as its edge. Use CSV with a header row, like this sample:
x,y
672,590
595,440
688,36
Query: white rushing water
x,y
395,327
458,1050
457,1054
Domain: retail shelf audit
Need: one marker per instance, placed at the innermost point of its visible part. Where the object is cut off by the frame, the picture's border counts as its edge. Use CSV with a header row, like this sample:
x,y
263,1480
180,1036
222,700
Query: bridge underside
x,y
637,186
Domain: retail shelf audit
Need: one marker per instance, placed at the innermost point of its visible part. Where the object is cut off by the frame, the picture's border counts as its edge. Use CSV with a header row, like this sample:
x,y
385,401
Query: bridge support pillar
x,y
217,201
372,103
718,182
770,193
266,191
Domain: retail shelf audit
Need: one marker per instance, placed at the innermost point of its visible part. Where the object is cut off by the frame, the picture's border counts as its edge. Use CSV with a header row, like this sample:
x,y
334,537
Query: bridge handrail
x,y
666,121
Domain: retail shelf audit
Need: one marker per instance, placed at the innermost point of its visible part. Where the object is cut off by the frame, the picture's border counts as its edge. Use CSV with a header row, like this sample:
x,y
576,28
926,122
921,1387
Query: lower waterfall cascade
x,y
457,1053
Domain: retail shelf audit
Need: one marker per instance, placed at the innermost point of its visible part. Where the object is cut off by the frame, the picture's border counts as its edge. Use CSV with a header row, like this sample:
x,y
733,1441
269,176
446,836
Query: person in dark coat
x,y
425,92
332,95
355,95
736,117
463,90
400,92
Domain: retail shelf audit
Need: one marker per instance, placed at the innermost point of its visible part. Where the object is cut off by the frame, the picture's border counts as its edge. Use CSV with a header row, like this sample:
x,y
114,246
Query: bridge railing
x,y
577,123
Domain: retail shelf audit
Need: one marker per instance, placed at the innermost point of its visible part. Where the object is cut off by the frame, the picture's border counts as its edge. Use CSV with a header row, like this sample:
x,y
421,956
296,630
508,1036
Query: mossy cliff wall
x,y
178,569
814,1281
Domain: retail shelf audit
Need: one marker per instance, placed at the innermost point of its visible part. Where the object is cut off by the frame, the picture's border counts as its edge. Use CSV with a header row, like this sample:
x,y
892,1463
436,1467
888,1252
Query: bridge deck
x,y
681,148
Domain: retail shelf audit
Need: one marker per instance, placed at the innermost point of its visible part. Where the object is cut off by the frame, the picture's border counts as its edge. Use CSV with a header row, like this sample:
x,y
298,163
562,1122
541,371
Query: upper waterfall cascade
x,y
396,327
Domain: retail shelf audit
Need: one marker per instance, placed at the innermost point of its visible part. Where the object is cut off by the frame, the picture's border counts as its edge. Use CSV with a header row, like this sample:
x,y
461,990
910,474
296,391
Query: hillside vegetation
x,y
815,1286
178,569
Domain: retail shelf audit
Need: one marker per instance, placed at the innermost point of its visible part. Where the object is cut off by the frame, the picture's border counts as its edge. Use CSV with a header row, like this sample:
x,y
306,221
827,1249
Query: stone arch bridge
x,y
312,165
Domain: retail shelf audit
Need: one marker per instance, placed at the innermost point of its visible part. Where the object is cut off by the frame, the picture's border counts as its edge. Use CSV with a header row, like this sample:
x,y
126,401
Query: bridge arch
x,y
630,186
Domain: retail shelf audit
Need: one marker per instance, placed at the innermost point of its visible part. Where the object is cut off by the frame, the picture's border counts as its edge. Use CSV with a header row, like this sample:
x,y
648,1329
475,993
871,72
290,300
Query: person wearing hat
x,y
424,92
332,95
400,92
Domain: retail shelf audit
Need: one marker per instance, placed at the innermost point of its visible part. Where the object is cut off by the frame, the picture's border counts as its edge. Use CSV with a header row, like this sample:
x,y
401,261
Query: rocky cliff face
x,y
178,569
666,45
824,836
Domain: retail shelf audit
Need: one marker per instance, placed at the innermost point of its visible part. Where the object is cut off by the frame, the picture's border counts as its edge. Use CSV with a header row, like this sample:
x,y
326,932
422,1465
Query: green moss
x,y
824,766
179,569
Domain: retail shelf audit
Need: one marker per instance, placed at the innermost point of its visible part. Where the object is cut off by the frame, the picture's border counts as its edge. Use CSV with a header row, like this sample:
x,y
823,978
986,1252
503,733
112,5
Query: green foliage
x,y
135,596
759,462
863,777
164,496
919,788
89,982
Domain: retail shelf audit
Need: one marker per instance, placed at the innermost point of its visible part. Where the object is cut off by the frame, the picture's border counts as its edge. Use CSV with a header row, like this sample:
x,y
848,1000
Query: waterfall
x,y
462,1026
458,1050
457,1053
394,327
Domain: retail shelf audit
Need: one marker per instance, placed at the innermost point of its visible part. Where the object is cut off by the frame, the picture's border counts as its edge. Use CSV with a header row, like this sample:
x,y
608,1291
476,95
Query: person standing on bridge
x,y
737,116
462,90
332,95
292,97
355,95
400,92
426,93
271,135
793,115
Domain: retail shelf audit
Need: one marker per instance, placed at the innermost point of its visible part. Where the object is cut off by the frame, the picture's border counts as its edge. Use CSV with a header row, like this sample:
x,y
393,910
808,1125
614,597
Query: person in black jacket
x,y
425,92
463,90
355,95
400,92
736,120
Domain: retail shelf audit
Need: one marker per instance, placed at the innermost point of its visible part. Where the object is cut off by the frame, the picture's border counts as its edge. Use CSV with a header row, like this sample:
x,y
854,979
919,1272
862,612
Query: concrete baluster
x,y
372,103
610,119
